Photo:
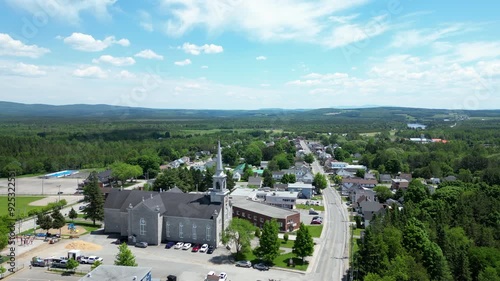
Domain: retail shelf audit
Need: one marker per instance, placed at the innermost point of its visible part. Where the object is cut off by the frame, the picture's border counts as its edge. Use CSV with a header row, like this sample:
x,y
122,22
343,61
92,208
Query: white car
x,y
178,245
203,248
92,259
222,276
186,246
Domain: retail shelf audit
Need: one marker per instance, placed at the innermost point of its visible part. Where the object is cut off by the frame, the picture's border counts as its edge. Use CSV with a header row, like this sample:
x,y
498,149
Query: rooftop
x,y
116,272
262,208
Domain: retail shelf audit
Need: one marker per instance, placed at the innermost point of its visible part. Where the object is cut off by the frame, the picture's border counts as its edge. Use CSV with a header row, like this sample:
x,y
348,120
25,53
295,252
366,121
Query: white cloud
x,y
261,58
23,69
65,10
183,62
424,37
343,19
204,66
90,72
351,33
301,20
196,50
116,61
148,54
11,47
145,21
264,85
472,51
87,43
124,74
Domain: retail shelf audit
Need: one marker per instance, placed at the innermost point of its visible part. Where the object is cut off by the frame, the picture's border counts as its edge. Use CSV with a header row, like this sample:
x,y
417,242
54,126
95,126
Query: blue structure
x,y
305,190
60,174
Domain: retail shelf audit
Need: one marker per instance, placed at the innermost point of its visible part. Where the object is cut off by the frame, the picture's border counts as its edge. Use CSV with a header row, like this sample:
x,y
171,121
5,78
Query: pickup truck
x,y
36,261
60,264
92,259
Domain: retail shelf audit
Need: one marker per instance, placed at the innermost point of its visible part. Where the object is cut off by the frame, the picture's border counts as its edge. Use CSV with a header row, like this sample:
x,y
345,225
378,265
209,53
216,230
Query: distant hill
x,y
11,110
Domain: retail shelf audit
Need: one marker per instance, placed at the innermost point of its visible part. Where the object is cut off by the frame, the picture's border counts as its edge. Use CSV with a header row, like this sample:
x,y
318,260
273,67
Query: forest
x,y
451,234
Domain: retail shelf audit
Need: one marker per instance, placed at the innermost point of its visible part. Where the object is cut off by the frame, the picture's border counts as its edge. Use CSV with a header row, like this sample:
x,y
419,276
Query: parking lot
x,y
50,186
186,265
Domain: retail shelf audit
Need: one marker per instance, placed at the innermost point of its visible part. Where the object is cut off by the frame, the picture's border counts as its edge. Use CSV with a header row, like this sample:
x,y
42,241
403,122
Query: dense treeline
x,y
453,234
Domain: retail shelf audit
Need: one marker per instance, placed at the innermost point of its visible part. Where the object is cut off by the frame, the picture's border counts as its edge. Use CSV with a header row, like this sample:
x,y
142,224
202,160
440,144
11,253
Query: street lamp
x,y
42,184
59,193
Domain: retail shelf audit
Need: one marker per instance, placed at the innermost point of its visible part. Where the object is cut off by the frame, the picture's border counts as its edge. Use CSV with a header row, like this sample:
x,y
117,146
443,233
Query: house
x,y
278,175
106,272
255,182
348,182
239,169
368,209
305,190
105,179
356,193
399,184
153,217
369,176
450,178
385,178
263,164
405,176
307,178
236,176
345,174
258,213
336,165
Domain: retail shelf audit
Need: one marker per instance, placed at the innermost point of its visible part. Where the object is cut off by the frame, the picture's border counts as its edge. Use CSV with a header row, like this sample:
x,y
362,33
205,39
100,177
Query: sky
x,y
251,54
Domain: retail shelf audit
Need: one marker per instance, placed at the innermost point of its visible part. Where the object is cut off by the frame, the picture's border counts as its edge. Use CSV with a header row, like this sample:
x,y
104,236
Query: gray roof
x,y
173,204
262,208
116,272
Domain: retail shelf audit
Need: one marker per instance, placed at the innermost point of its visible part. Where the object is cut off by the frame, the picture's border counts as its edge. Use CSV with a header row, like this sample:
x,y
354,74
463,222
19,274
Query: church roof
x,y
173,204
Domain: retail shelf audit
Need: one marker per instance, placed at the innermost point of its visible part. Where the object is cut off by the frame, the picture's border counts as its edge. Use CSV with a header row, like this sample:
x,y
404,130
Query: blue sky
x,y
235,54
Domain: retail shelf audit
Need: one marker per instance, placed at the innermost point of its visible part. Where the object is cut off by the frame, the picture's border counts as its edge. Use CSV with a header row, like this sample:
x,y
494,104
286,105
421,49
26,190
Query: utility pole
x,y
42,184
59,193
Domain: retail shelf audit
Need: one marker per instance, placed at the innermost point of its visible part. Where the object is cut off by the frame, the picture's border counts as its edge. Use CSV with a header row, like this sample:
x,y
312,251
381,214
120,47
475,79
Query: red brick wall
x,y
259,219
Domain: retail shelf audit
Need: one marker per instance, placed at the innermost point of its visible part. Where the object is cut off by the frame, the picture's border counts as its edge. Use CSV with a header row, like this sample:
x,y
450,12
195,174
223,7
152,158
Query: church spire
x,y
219,169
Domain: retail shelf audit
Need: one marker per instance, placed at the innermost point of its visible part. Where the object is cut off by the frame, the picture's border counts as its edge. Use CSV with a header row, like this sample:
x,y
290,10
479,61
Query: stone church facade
x,y
155,217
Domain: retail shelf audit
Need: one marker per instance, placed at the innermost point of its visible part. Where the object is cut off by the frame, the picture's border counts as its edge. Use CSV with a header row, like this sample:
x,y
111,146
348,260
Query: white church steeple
x,y
219,188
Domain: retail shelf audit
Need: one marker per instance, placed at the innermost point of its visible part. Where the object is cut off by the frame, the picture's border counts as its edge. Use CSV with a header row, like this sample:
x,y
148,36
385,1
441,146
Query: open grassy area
x,y
21,204
288,244
357,231
315,230
280,261
89,227
317,197
307,207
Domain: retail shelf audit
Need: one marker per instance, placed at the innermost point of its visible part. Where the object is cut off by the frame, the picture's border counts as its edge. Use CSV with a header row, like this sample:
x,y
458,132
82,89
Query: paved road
x,y
332,261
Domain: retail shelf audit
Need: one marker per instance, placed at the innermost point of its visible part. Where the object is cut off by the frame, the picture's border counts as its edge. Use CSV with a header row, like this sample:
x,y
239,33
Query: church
x,y
156,217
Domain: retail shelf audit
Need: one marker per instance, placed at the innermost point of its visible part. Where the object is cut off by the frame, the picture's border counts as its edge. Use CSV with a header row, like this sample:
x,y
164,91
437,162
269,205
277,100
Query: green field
x,y
21,204
315,230
307,207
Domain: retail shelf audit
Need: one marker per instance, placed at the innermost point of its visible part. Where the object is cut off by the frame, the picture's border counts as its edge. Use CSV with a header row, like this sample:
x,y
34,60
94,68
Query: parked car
x,y
60,264
178,245
186,246
211,249
244,264
261,266
93,259
141,244
203,248
170,245
196,248
313,212
317,217
82,259
222,276
316,222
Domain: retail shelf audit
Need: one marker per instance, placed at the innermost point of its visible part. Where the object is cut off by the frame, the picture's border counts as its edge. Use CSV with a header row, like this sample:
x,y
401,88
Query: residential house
x,y
307,178
263,164
405,176
368,209
105,179
348,182
282,199
358,192
305,190
278,175
399,184
345,174
385,178
236,176
255,182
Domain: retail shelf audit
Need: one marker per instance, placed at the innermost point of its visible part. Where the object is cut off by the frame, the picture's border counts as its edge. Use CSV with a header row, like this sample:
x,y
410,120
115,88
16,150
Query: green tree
x,y
269,244
360,173
95,265
44,221
125,256
123,171
93,196
319,182
304,243
253,155
257,232
230,156
285,237
416,192
489,274
282,161
309,158
58,220
72,264
268,178
383,193
239,232
72,214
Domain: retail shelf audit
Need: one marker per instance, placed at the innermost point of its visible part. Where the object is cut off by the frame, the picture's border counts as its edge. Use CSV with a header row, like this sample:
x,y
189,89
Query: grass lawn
x,y
280,261
89,227
288,244
307,207
315,230
357,232
344,198
317,197
355,247
21,204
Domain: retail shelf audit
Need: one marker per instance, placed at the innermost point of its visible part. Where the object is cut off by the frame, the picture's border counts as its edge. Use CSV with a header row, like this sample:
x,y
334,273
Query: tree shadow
x,y
222,259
